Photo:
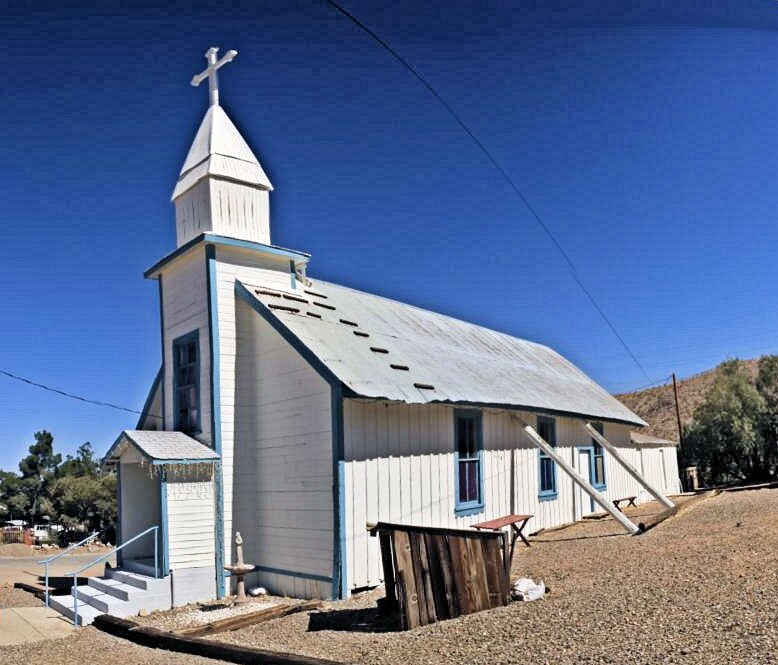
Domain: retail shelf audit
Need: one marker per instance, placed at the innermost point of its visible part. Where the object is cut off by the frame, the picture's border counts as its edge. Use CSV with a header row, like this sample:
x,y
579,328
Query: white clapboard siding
x,y
190,511
282,459
400,468
185,309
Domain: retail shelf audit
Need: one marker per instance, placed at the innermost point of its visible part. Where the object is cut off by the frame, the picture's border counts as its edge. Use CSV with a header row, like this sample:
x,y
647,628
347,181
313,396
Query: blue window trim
x,y
553,493
462,509
604,484
185,339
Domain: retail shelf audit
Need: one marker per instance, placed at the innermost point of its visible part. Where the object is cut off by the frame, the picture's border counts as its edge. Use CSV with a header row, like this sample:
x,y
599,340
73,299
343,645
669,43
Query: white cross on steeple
x,y
211,72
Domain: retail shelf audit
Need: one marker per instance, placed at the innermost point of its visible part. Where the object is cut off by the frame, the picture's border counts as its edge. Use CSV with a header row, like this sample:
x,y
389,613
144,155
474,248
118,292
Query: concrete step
x,y
64,605
132,579
102,601
114,587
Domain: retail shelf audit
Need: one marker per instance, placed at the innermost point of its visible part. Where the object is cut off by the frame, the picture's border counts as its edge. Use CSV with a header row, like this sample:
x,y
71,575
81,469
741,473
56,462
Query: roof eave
x,y
213,239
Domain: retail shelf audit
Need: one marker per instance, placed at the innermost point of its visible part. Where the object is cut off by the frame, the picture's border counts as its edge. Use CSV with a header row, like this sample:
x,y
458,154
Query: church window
x,y
598,460
468,464
186,383
546,428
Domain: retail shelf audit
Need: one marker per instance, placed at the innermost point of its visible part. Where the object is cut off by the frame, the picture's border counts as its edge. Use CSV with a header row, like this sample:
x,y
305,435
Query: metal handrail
x,y
45,562
103,557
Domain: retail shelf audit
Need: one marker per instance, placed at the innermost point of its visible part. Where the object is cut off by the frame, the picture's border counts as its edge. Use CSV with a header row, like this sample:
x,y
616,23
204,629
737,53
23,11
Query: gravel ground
x,y
197,615
10,597
702,587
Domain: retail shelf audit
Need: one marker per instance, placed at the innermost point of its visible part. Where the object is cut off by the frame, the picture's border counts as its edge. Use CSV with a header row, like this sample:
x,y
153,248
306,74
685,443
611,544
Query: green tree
x,y
767,385
84,495
38,470
725,438
14,502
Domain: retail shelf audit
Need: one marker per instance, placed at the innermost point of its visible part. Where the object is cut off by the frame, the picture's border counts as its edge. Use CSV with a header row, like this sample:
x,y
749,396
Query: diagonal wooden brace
x,y
606,505
628,467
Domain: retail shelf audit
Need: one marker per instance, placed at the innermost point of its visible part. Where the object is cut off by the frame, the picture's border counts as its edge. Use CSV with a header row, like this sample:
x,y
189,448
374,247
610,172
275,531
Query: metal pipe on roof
x,y
606,505
629,468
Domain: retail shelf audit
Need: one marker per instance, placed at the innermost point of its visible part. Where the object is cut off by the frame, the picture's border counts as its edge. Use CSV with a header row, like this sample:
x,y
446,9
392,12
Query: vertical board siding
x,y
281,470
266,270
139,509
400,468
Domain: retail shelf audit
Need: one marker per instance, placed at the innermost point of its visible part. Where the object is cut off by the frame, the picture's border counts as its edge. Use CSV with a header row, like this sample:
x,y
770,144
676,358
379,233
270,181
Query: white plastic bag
x,y
525,589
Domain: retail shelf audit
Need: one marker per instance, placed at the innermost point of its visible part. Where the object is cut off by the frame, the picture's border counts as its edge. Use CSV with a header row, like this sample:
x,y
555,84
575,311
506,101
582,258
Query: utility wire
x,y
42,386
407,65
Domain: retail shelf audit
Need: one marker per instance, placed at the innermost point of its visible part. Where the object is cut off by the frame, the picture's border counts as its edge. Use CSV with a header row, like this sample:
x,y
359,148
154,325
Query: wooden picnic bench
x,y
629,499
517,524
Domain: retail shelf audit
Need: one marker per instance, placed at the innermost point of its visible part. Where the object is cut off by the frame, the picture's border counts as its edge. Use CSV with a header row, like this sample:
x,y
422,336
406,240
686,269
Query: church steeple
x,y
222,188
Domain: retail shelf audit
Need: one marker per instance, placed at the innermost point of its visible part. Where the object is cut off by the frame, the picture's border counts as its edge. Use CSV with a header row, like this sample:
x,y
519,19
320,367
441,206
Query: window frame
x,y
600,427
193,336
463,508
551,493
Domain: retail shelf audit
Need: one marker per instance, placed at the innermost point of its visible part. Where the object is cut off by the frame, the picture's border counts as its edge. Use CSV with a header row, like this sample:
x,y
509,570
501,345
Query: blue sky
x,y
643,133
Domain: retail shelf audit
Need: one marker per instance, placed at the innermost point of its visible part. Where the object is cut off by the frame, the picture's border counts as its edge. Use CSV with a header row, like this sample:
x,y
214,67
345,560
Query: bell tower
x,y
222,189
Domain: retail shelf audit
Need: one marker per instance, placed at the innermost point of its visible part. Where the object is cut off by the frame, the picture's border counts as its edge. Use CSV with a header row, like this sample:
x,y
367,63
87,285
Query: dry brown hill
x,y
657,407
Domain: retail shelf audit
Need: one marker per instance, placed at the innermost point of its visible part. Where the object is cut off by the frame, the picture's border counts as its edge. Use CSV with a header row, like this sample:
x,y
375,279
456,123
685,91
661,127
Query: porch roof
x,y
161,447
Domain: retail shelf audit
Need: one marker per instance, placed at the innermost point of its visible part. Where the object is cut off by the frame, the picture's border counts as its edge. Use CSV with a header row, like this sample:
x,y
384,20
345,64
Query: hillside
x,y
657,407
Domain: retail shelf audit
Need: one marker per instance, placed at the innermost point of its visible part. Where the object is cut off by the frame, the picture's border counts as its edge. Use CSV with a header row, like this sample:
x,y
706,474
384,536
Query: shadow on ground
x,y
365,620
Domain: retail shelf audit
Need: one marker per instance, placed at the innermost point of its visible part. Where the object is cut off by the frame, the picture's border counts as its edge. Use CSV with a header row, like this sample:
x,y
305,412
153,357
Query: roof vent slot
x,y
314,315
295,298
404,368
423,386
348,323
378,349
265,292
359,333
323,304
284,308
313,293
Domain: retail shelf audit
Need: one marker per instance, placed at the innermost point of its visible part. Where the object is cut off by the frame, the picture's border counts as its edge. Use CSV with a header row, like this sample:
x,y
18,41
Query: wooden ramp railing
x,y
433,573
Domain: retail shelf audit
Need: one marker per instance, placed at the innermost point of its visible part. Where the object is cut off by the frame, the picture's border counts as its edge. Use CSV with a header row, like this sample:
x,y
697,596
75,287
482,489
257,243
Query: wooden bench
x,y
517,524
629,499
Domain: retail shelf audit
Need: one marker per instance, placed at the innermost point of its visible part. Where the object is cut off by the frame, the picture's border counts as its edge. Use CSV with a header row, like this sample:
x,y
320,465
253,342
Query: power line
x,y
63,393
407,65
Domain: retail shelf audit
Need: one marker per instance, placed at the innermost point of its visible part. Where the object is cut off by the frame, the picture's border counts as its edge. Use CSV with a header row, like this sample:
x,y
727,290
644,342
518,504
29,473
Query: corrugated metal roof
x,y
159,446
447,360
219,149
640,439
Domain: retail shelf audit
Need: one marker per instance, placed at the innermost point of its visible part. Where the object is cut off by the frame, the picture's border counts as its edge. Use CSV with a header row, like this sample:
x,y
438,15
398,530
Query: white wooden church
x,y
295,411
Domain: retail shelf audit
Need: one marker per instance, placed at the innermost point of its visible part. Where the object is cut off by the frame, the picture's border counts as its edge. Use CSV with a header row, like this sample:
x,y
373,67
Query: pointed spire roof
x,y
219,150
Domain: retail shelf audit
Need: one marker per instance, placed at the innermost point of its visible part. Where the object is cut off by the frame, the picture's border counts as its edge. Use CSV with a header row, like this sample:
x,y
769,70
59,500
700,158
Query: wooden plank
x,y
446,569
495,573
424,581
249,619
388,563
160,639
460,569
436,576
478,574
405,573
415,528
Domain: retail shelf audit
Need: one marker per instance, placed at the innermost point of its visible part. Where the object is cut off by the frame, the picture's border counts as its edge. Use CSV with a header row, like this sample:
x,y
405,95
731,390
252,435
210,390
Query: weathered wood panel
x,y
442,573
